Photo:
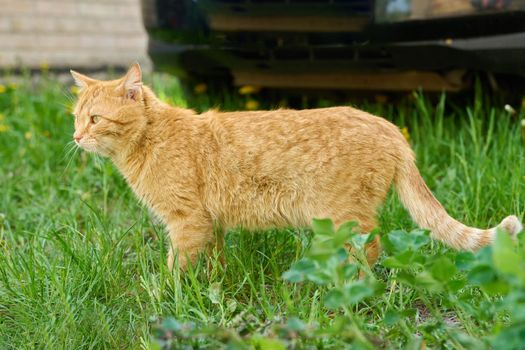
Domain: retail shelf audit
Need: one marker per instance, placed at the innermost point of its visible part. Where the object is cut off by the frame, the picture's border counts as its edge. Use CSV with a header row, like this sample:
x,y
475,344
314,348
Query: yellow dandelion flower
x,y
44,66
200,88
2,89
249,89
28,135
46,133
74,90
405,133
3,128
251,105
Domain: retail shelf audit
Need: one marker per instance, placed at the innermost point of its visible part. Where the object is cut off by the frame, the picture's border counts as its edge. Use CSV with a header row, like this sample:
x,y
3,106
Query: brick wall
x,y
72,33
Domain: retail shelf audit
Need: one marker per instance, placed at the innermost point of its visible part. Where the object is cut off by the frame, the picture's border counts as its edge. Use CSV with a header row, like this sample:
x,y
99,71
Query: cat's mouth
x,y
89,145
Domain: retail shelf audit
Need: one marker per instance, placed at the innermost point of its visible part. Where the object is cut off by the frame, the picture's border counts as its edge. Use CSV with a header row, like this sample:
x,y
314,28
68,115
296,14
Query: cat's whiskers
x,y
69,96
70,153
68,106
69,148
73,148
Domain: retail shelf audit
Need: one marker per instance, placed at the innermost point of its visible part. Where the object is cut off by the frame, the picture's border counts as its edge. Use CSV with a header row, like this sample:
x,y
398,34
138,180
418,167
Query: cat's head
x,y
109,115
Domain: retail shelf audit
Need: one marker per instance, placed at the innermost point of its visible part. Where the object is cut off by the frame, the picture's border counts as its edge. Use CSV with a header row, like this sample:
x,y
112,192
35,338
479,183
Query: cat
x,y
258,169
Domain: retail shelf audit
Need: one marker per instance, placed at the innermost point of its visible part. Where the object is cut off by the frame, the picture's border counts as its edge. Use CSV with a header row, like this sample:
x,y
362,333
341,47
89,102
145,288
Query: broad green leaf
x,y
293,276
391,317
154,345
348,227
334,299
484,255
349,271
295,324
268,343
425,280
339,239
515,302
510,338
320,277
393,263
443,269
359,241
344,233
305,266
378,287
505,258
300,270
418,239
407,277
481,275
416,343
456,284
357,291
341,255
406,258
171,324
496,287
464,260
403,260
395,242
320,253
324,227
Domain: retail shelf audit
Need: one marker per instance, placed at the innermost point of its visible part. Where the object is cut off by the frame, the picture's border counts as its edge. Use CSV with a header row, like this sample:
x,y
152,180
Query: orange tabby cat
x,y
257,170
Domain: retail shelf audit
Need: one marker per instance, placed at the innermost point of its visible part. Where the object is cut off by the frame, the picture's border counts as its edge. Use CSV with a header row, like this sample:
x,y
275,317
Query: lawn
x,y
82,263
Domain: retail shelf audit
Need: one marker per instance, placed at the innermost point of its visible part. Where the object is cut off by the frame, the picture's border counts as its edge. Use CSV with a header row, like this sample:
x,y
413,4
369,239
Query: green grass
x,y
82,265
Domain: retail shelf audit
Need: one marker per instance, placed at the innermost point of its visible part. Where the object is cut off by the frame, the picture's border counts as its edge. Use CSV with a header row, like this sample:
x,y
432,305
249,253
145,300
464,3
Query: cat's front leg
x,y
189,236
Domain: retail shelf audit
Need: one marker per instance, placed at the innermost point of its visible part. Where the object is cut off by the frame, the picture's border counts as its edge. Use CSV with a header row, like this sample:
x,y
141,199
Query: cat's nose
x,y
77,138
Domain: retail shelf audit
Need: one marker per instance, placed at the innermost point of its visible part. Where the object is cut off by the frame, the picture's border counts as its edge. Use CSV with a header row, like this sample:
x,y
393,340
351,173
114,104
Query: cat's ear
x,y
81,80
132,82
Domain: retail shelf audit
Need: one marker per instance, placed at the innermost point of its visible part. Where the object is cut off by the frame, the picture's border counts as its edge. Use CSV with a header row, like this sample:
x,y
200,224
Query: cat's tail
x,y
429,214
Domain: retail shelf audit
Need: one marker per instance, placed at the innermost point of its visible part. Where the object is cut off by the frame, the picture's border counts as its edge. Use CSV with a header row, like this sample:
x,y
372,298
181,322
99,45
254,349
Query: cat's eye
x,y
94,119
